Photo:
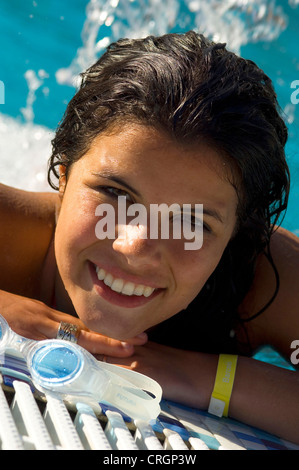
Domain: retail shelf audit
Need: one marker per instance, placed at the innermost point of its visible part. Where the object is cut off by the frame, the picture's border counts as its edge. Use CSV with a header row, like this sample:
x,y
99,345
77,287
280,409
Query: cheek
x,y
75,229
193,269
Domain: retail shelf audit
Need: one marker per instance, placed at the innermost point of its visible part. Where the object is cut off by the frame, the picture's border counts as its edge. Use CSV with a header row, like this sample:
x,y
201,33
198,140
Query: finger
x,y
125,362
99,344
50,326
138,340
92,341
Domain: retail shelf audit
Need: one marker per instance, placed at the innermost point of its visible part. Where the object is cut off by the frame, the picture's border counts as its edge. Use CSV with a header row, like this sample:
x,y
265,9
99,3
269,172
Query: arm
x,y
263,395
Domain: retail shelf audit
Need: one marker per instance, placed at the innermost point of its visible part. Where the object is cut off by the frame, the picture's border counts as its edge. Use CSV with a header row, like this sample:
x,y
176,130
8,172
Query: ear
x,y
62,180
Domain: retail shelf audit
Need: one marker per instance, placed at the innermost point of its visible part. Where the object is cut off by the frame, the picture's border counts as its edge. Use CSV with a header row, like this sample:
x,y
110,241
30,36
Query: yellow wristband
x,y
223,386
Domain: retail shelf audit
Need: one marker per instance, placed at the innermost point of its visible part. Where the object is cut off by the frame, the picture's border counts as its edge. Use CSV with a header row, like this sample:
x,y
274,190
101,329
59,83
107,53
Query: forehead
x,y
152,160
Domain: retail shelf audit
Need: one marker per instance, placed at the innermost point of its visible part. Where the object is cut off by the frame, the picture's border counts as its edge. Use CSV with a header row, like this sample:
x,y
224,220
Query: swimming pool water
x,y
44,45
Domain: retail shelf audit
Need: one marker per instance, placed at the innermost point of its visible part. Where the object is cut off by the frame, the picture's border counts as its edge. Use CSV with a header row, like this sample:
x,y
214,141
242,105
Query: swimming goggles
x,y
65,368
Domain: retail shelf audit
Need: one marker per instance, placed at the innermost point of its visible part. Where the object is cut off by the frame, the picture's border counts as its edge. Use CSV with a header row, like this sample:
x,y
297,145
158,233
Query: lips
x,y
119,291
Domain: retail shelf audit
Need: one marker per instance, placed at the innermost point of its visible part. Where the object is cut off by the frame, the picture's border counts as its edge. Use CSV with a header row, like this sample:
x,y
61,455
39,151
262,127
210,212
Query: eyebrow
x,y
211,213
107,174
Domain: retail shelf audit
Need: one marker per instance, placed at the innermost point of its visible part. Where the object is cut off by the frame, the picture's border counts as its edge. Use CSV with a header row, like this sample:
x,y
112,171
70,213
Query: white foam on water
x,y
236,22
24,150
239,22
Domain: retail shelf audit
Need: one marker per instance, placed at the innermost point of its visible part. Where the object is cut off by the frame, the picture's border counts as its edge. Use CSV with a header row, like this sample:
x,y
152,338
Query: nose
x,y
135,244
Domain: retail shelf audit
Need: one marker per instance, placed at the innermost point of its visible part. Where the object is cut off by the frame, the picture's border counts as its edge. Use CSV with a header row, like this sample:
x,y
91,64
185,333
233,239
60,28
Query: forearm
x,y
266,397
263,395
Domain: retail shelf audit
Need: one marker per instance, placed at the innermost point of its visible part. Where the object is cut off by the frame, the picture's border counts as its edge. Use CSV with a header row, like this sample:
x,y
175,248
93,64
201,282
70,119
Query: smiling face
x,y
121,287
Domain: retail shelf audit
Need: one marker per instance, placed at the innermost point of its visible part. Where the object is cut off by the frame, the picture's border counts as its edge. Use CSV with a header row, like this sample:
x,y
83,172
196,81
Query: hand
x,y
35,320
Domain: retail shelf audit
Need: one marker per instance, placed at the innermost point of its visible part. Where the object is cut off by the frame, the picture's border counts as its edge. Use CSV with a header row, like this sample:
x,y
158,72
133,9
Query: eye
x,y
190,219
200,223
115,192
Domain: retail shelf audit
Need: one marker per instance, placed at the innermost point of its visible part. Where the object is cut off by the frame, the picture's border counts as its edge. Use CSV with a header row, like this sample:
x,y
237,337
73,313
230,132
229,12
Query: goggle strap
x,y
130,397
135,378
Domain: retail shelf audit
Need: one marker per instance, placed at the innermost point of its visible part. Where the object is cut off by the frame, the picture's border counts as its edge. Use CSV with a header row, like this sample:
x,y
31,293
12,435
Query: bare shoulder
x,y
19,200
279,324
27,225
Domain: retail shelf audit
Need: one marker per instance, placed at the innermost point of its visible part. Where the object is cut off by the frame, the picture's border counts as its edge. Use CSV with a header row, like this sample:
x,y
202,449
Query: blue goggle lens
x,y
56,363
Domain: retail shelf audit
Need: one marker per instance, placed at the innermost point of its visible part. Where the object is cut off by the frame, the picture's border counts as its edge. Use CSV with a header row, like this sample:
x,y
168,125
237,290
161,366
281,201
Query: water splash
x,y
24,146
109,20
239,22
236,22
34,82
24,149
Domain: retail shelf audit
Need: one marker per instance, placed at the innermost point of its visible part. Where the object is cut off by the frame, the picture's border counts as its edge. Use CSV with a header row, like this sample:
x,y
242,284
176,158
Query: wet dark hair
x,y
194,89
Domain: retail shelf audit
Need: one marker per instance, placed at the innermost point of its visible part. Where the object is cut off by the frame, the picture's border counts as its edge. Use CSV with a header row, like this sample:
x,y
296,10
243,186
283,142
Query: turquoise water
x,y
46,43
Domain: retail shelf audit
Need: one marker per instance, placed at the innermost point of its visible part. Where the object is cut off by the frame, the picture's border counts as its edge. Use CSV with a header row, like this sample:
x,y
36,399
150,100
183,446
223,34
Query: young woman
x,y
169,120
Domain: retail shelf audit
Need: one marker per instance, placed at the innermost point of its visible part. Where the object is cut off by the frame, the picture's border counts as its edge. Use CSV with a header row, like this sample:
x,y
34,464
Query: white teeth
x,y
121,286
117,285
139,290
128,288
148,291
101,273
108,280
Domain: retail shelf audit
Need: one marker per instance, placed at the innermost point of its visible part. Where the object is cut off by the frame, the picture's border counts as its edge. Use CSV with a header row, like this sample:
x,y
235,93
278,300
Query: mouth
x,y
119,291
